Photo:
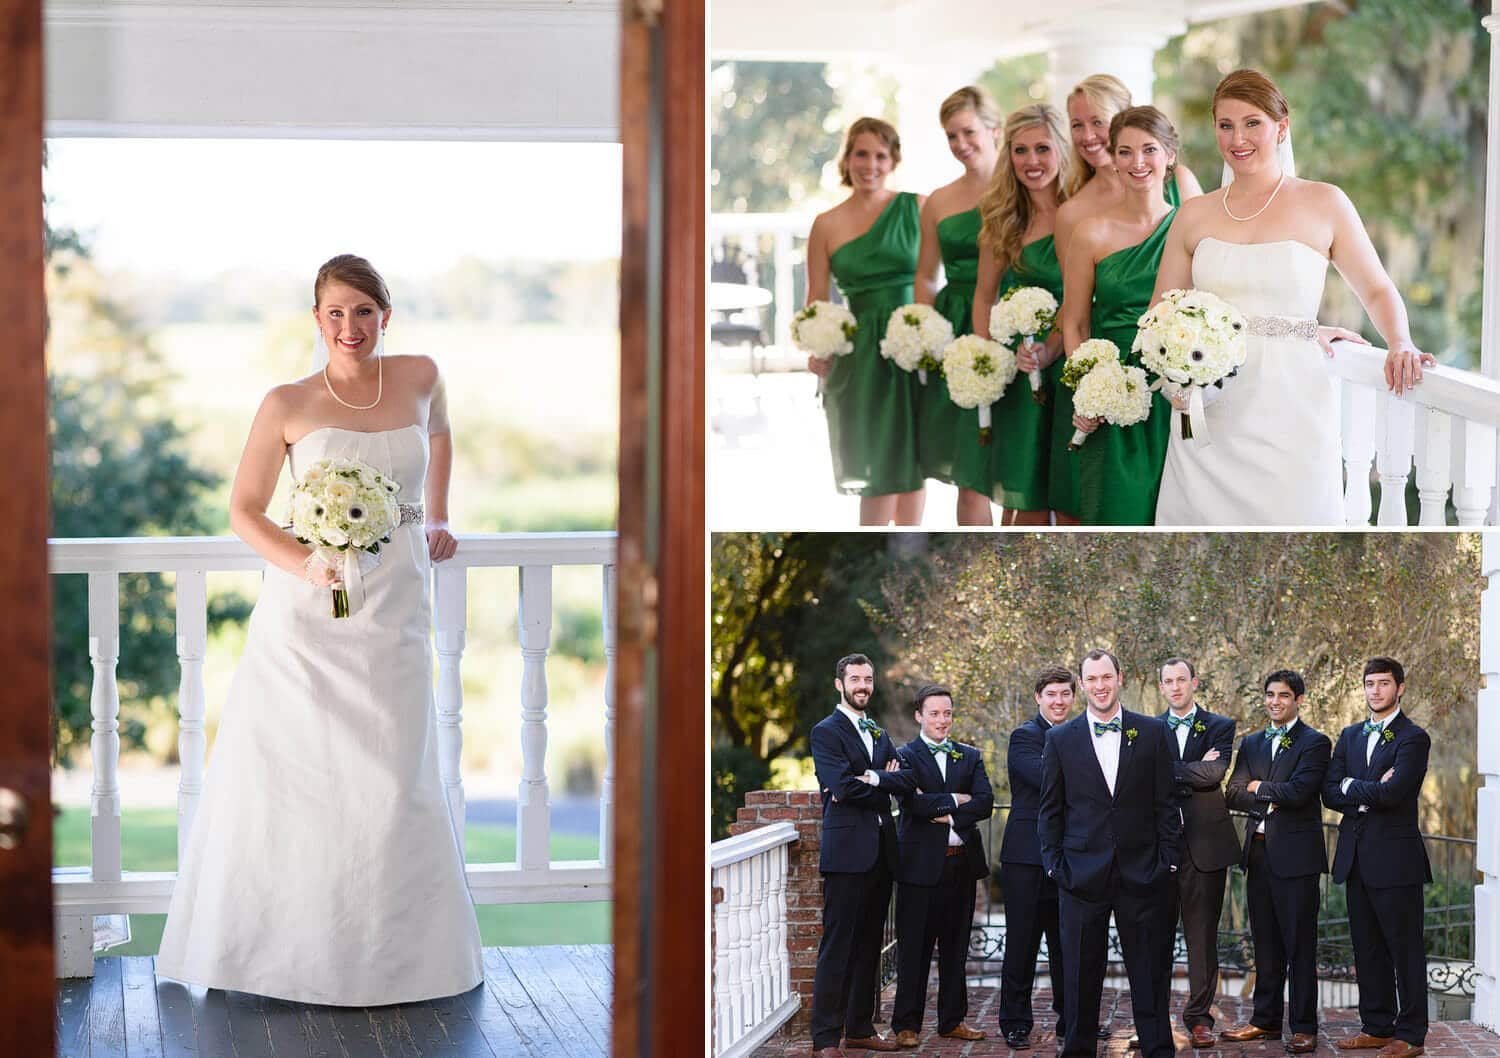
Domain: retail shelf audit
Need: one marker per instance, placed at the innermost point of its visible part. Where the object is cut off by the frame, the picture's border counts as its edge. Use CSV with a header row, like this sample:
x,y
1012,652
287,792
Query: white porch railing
x,y
534,877
752,974
1446,428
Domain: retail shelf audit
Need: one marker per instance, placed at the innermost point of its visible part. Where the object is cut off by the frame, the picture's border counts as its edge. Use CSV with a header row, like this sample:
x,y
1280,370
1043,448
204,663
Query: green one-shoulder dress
x,y
1018,455
1120,467
872,403
939,420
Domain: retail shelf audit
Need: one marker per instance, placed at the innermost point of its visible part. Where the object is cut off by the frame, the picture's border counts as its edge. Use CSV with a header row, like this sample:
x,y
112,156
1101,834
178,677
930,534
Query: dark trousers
x,y
854,910
1030,911
1140,920
1197,898
1284,929
1390,959
939,914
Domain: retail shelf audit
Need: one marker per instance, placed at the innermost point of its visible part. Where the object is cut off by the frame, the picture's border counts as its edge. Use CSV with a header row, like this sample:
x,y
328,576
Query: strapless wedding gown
x,y
1275,452
323,866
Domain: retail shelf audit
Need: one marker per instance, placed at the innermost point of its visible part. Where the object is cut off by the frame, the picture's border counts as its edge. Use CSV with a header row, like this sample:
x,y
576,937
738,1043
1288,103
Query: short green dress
x,y
872,403
939,420
1120,467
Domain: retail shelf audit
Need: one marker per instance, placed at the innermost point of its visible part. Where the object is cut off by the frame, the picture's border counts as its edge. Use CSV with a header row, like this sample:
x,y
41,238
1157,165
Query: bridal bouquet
x,y
1190,340
978,370
915,338
343,507
1027,311
1104,388
824,330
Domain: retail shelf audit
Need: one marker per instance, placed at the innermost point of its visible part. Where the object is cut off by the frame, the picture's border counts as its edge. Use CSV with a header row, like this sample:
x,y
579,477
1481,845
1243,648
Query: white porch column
x,y
1121,42
926,162
1489,356
1487,857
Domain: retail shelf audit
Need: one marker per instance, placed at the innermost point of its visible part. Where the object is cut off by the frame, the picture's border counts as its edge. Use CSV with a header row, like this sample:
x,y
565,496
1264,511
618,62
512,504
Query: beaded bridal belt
x,y
411,512
1282,327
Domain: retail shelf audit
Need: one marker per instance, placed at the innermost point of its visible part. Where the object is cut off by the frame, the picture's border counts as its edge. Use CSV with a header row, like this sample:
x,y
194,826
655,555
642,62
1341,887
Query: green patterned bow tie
x,y
866,724
1174,722
1370,728
945,746
1273,733
1113,725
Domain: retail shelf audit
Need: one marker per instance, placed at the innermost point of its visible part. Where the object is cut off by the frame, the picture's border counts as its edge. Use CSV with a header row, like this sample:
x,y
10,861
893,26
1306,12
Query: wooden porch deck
x,y
543,1001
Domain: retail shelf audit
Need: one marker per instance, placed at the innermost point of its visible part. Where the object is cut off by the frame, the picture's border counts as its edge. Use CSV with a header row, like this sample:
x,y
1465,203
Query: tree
x,y
771,134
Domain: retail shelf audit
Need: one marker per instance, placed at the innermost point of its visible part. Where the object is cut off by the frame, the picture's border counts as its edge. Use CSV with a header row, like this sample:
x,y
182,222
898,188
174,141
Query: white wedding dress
x,y
323,866
1274,456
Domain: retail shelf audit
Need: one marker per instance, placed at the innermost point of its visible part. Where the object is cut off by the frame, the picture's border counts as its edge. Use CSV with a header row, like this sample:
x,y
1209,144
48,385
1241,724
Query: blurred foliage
x,y
1016,83
734,771
773,131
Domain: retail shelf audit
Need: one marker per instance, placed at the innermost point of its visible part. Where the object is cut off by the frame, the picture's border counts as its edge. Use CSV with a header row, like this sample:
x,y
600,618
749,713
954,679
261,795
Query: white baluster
x,y
104,704
533,815
1474,472
782,301
744,892
607,784
1395,425
1434,454
1359,451
726,983
192,743
760,954
450,604
781,966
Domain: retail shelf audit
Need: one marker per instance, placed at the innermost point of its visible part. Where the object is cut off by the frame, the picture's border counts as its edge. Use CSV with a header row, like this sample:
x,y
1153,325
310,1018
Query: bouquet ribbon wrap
x,y
1196,419
351,565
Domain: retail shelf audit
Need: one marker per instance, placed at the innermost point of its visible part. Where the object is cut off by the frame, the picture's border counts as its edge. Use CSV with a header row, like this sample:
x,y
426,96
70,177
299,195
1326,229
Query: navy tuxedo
x,y
1282,866
1030,896
1382,861
935,880
1112,852
858,858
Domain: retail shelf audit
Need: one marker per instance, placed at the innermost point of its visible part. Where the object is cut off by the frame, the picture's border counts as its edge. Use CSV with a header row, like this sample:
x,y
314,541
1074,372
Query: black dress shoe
x,y
1018,1039
1103,1033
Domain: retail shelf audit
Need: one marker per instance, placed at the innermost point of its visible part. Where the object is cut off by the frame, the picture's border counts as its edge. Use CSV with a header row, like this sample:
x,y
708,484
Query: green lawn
x,y
149,841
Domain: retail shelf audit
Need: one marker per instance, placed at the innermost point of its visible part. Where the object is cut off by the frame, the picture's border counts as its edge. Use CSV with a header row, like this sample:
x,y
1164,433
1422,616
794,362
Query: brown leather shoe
x,y
962,1031
1399,1049
1303,1042
872,1043
1246,1033
907,1038
1362,1041
1201,1036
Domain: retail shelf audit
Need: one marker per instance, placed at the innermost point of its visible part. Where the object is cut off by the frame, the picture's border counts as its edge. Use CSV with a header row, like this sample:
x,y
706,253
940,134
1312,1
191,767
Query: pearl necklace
x,y
1225,201
379,387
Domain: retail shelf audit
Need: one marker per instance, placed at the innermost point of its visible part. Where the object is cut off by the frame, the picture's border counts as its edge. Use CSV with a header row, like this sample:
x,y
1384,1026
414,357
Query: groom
x,y
1109,828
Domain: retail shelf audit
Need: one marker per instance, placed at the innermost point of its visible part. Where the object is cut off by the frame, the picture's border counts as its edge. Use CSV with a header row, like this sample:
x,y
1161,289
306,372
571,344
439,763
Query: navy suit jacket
x,y
1293,781
1209,837
923,843
1385,840
853,810
1083,828
1024,762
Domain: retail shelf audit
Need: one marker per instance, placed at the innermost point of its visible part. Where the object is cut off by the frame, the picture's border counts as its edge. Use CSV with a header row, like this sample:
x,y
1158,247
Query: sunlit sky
x,y
199,207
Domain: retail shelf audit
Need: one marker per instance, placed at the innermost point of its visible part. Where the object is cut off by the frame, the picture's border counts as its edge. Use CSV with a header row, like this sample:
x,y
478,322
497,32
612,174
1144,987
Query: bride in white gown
x,y
323,866
1263,242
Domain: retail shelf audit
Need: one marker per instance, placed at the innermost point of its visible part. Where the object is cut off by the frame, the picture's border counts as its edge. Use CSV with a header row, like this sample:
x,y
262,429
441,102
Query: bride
x,y
323,866
1263,242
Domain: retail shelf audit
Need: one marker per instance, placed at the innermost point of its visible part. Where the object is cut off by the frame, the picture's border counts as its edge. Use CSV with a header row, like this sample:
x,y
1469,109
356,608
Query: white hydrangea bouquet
x,y
915,338
1191,340
824,330
978,370
1028,312
1104,388
345,508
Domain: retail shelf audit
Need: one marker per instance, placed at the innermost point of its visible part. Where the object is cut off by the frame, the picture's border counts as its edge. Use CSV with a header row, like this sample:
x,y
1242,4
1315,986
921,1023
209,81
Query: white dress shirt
x,y
855,716
1107,747
1370,740
942,763
1260,828
1181,731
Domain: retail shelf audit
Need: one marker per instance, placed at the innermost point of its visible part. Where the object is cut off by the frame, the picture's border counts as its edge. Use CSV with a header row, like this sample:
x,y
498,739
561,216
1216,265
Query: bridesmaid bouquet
x,y
915,338
343,507
1027,311
1104,388
978,370
1190,340
824,330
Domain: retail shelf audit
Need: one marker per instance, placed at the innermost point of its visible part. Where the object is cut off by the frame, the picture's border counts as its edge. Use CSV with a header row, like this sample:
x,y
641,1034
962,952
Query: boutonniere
x,y
1285,741
1388,735
1130,734
1199,726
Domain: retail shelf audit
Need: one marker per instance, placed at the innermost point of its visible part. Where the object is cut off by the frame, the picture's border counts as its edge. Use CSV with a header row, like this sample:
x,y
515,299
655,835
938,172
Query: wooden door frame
x,y
27,982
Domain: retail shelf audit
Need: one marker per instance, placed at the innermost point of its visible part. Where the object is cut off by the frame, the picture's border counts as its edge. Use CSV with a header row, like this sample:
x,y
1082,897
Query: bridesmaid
x,y
950,232
1109,277
1016,249
868,242
1092,188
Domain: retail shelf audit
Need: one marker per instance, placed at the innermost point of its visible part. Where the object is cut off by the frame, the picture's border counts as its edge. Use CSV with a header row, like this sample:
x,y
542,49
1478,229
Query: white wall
x,y
1487,895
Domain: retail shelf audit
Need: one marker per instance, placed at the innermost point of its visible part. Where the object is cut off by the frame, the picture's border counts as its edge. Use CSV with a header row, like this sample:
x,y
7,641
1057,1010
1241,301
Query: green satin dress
x,y
1120,467
940,422
1019,454
872,403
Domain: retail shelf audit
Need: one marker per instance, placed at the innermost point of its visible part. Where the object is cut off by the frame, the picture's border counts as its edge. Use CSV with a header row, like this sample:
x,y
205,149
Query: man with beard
x,y
1375,779
1030,896
1277,778
1201,744
857,773
1109,828
942,856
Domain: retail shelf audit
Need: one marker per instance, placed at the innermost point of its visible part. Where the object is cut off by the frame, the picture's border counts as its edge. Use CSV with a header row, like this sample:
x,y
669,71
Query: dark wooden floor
x,y
544,1001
